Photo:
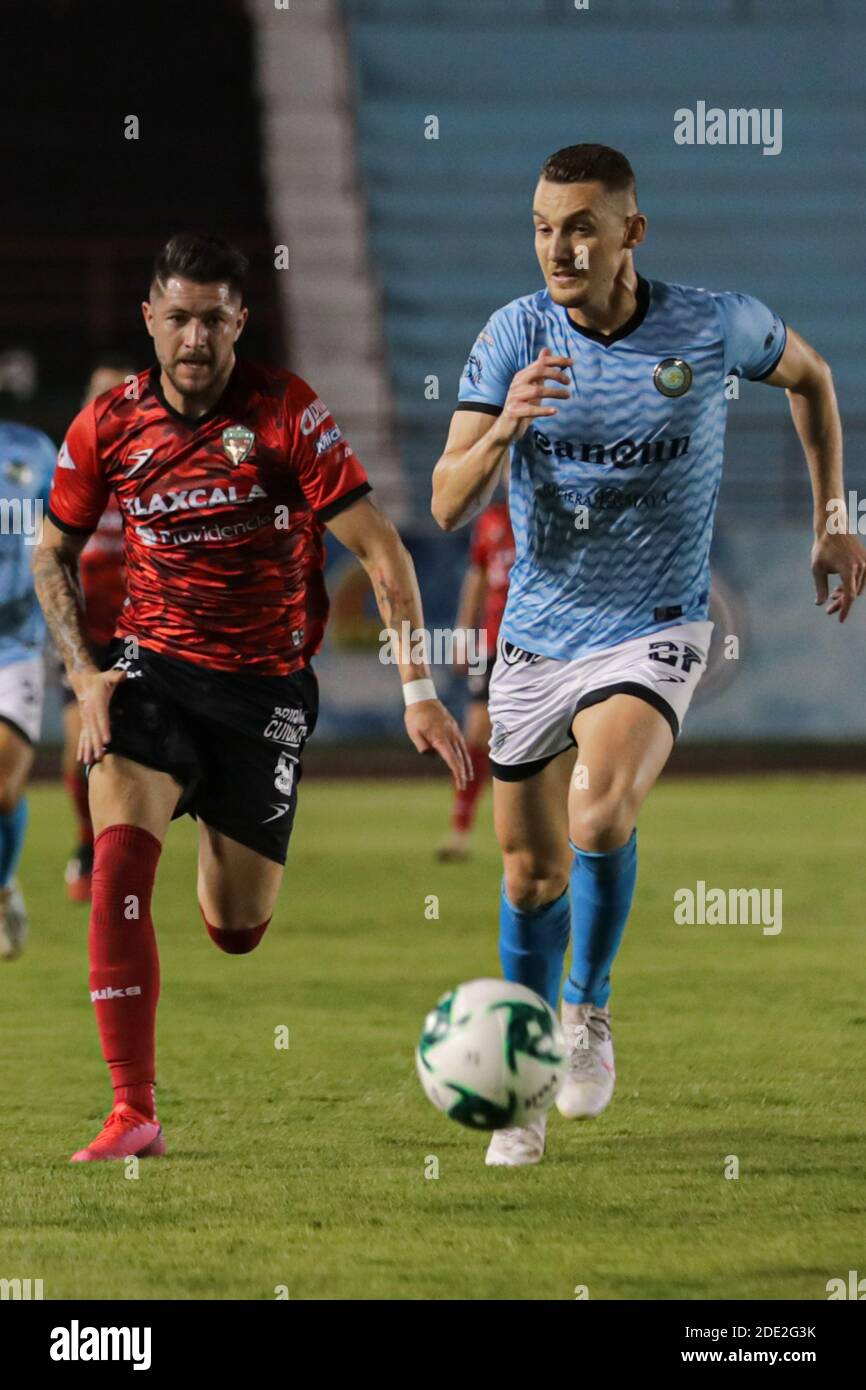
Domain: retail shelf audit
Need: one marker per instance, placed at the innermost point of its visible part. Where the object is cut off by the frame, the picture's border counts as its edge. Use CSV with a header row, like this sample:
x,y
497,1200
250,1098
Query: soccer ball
x,y
491,1055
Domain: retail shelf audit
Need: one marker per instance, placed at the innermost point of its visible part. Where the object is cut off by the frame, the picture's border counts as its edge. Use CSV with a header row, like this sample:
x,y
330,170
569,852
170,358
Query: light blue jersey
x,y
612,499
27,460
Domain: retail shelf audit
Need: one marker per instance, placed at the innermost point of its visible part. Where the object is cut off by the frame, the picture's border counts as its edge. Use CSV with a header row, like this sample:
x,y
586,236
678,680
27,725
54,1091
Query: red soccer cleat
x,y
126,1133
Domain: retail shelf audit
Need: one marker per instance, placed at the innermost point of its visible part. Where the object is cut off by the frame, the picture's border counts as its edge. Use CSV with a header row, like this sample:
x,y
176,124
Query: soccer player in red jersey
x,y
225,473
100,571
482,603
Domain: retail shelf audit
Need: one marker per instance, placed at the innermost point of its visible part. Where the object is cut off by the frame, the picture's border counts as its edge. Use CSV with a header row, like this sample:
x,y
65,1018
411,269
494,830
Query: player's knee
x,y
236,938
602,825
531,880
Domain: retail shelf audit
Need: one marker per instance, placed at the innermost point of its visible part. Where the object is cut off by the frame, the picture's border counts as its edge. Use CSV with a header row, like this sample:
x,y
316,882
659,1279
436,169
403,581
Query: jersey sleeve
x,y
490,367
330,474
754,336
79,492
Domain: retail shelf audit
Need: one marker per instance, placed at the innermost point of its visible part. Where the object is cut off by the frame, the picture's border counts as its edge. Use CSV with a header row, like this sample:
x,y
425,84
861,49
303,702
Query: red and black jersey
x,y
492,550
222,516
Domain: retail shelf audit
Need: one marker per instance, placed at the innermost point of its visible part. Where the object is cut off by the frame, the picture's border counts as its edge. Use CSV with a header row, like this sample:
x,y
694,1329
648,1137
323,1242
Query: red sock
x,y
235,943
76,785
124,964
465,802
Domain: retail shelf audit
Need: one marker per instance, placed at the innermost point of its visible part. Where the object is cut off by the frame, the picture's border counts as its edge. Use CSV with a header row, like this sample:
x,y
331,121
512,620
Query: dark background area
x,y
85,208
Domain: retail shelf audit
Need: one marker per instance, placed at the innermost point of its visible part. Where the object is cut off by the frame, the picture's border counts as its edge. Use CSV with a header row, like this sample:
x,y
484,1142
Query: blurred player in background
x,y
100,571
482,603
26,464
608,391
226,473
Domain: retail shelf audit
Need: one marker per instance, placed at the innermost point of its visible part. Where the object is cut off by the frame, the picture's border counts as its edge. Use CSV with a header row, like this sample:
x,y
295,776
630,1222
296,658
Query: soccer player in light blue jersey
x,y
26,464
607,391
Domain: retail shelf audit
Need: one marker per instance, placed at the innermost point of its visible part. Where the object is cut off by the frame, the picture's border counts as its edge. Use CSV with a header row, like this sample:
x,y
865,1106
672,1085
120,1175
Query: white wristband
x,y
413,691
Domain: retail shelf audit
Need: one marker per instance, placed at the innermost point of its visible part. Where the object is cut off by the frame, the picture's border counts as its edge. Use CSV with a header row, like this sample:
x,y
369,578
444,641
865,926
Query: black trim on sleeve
x,y
67,529
341,503
480,406
641,692
778,359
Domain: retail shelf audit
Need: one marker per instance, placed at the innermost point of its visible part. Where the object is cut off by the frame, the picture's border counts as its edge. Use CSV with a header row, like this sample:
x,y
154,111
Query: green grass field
x,y
306,1167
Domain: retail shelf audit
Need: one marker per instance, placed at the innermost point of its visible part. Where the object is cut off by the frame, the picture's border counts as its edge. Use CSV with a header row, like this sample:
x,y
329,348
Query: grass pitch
x,y
305,1167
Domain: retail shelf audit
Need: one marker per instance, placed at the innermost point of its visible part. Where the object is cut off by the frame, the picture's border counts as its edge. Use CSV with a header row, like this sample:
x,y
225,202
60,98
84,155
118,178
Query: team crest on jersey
x,y
237,442
672,376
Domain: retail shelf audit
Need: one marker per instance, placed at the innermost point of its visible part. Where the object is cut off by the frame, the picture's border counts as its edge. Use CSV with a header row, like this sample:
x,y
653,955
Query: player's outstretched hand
x,y
94,690
433,730
529,387
843,555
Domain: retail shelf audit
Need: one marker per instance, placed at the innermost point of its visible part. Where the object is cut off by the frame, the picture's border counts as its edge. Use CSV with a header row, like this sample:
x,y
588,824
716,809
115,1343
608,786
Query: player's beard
x,y
194,384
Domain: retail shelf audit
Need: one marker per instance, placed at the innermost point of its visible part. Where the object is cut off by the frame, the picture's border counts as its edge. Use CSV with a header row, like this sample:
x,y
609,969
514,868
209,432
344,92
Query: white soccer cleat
x,y
512,1148
13,921
589,1082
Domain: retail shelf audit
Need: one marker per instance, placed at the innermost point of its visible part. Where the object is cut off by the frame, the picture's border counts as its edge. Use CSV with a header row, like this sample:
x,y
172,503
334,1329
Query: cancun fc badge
x,y
672,376
237,442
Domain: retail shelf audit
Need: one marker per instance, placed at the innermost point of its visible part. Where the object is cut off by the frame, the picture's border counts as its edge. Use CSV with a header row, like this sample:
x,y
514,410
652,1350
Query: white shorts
x,y
22,687
533,699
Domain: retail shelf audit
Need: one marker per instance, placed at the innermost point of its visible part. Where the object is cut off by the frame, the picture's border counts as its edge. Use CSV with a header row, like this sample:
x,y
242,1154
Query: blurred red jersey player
x,y
482,603
100,573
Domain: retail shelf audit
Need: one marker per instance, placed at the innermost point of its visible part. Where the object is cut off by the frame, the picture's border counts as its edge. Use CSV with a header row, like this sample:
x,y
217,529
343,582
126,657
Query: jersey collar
x,y
177,415
642,298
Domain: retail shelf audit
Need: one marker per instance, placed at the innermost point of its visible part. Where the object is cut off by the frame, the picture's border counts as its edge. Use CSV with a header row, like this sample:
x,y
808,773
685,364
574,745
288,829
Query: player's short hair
x,y
202,259
590,164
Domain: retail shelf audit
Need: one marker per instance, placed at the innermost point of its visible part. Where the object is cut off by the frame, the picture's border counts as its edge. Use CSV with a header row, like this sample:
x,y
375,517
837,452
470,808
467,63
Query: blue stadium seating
x,y
509,84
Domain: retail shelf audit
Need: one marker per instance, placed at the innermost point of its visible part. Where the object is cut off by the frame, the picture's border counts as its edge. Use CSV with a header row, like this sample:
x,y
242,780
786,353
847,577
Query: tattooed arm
x,y
55,574
374,540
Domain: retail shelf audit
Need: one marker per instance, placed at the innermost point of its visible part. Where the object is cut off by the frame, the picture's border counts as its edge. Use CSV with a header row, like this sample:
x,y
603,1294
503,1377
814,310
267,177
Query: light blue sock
x,y
13,828
602,887
532,944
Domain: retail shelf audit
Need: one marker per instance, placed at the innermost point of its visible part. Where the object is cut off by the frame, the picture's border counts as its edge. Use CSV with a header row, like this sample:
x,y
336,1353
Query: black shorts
x,y
232,740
